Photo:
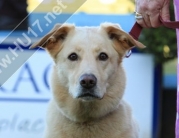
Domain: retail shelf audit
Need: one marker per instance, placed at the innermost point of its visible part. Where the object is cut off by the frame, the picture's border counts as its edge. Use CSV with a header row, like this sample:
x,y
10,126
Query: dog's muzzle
x,y
88,83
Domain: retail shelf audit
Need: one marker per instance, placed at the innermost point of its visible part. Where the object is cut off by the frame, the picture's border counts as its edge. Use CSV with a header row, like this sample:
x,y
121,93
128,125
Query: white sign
x,y
24,97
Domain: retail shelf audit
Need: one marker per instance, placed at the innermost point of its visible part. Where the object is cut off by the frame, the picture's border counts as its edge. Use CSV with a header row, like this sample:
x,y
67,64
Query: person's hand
x,y
150,10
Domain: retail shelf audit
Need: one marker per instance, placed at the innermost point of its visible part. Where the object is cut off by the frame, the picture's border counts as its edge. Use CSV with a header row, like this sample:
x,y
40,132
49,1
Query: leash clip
x,y
128,53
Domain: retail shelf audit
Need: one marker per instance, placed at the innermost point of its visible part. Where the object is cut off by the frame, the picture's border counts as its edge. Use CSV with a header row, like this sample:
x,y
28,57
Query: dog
x,y
88,82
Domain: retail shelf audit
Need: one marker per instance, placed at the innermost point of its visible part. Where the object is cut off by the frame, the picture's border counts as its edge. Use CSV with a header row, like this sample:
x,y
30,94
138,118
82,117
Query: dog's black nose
x,y
88,81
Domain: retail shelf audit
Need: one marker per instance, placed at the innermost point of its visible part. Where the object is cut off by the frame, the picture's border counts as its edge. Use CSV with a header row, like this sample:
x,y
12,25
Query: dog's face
x,y
88,65
87,57
85,63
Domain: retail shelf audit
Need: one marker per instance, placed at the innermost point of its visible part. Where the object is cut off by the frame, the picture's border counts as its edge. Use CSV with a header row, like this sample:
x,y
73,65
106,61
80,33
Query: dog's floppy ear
x,y
122,40
53,40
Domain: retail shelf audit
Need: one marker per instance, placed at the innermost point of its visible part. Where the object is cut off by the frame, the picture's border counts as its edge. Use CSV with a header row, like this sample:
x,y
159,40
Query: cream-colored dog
x,y
88,82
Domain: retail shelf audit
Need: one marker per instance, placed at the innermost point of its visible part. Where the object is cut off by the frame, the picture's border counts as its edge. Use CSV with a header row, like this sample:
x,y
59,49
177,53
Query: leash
x,y
137,29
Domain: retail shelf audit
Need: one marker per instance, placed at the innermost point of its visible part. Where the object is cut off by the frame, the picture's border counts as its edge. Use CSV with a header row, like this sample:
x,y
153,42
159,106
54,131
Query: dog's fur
x,y
104,114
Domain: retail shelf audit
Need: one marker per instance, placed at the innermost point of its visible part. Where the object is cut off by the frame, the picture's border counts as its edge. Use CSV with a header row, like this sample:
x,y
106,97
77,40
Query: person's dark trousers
x,y
12,12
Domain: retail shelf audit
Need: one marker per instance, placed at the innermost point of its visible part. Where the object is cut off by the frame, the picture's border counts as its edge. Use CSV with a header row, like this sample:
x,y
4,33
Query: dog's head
x,y
88,60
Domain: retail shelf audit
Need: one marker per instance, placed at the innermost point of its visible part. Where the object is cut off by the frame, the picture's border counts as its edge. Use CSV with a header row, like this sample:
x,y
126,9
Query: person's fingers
x,y
144,9
140,7
165,14
151,10
154,9
146,19
154,20
141,22
161,10
149,21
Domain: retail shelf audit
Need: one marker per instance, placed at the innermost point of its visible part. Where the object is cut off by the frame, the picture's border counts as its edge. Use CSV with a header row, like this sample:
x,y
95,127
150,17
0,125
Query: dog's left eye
x,y
103,56
73,57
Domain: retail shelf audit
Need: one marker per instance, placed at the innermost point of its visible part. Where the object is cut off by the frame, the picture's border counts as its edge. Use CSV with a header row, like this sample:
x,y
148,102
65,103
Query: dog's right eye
x,y
103,56
73,57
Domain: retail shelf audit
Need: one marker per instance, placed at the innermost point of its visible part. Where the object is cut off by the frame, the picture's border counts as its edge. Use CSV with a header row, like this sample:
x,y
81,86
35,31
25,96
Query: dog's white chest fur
x,y
114,125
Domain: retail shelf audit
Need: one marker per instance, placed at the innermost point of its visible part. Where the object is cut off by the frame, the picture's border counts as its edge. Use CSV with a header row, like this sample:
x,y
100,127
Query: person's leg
x,y
176,3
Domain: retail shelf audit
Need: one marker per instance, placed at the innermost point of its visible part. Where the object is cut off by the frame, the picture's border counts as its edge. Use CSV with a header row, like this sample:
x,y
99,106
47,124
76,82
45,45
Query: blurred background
x,y
24,74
